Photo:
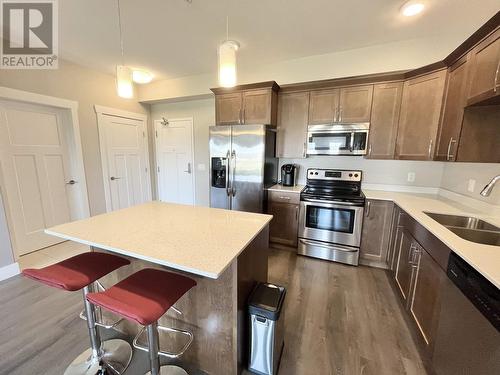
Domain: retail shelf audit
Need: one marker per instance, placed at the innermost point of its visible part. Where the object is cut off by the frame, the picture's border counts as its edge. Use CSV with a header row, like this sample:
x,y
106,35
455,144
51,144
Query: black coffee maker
x,y
288,174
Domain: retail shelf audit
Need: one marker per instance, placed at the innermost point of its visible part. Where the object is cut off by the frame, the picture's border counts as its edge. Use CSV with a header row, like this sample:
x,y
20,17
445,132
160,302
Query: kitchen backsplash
x,y
386,172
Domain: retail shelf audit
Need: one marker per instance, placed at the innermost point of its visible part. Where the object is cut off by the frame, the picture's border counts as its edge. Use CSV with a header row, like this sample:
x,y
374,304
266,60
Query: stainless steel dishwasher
x,y
468,337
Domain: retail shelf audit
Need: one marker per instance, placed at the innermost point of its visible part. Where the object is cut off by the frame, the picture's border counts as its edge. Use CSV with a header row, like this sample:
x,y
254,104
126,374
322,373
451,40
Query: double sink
x,y
469,228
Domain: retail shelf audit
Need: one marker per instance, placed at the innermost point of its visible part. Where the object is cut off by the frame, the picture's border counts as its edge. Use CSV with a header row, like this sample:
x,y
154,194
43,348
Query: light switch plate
x,y
471,185
411,176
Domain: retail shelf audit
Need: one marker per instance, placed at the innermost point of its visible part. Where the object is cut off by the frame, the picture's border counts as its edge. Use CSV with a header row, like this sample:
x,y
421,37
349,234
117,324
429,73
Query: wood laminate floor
x,y
340,320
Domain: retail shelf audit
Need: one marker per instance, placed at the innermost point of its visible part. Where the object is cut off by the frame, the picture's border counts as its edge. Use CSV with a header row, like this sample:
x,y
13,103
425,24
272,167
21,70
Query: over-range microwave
x,y
338,139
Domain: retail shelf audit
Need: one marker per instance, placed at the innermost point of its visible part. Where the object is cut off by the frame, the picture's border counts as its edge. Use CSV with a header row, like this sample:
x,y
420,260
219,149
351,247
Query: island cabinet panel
x,y
376,233
425,298
485,63
453,111
420,115
384,120
355,104
323,106
228,108
258,107
292,124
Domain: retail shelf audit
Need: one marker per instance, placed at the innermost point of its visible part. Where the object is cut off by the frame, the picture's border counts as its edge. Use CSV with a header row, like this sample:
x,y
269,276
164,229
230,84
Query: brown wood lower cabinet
x,y
417,274
424,303
375,236
284,226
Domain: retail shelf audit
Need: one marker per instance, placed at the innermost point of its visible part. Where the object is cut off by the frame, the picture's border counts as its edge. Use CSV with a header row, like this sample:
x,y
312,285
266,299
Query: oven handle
x,y
321,203
338,247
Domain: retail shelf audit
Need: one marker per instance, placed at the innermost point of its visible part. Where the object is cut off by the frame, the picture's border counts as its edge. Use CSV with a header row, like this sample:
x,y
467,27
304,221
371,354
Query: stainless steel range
x,y
331,215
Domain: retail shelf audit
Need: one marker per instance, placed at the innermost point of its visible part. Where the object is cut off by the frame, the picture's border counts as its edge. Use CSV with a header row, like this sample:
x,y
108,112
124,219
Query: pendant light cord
x,y
227,27
121,32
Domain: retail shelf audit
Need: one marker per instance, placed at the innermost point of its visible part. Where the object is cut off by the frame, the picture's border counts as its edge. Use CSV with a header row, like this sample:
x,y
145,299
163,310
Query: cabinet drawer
x,y
284,197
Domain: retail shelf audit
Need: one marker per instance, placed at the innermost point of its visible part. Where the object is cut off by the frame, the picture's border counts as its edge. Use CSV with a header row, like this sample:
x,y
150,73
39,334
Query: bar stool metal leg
x,y
114,355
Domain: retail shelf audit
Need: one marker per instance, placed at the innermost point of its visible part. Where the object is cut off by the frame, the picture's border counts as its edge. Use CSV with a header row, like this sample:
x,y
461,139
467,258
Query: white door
x,y
174,160
125,163
35,169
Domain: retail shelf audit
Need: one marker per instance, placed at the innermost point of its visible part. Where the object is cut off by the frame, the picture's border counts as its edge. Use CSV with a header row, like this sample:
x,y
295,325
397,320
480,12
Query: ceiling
x,y
173,38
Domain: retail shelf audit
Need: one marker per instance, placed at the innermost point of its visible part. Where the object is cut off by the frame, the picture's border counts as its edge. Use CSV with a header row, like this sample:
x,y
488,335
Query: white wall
x,y
456,178
203,113
385,172
402,55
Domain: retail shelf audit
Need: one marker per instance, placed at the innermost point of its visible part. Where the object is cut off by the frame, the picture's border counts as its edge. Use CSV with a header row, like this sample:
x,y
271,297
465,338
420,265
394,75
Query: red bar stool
x,y
81,272
144,297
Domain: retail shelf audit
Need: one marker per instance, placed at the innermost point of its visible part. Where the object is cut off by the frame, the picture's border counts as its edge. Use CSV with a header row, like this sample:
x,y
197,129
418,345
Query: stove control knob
x,y
356,175
316,173
350,174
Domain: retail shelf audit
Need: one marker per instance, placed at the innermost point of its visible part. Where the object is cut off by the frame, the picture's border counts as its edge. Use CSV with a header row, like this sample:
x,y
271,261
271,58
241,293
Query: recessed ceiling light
x,y
141,76
412,8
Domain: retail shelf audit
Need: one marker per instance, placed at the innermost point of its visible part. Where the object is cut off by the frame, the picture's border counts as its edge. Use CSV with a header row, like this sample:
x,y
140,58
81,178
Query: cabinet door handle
x,y
286,198
496,77
449,156
341,110
239,117
243,116
368,208
296,213
370,150
71,182
410,253
304,153
430,149
335,114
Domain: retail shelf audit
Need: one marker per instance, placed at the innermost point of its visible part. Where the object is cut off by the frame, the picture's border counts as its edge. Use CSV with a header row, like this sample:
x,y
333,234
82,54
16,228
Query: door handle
x,y
496,77
228,160
189,168
233,168
71,182
449,156
115,178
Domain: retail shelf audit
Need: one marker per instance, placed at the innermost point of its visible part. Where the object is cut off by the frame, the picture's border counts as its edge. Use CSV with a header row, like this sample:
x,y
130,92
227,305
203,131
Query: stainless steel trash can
x,y
266,328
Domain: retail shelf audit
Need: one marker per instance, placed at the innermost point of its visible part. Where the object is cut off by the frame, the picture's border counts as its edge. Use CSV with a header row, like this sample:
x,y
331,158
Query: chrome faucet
x,y
488,188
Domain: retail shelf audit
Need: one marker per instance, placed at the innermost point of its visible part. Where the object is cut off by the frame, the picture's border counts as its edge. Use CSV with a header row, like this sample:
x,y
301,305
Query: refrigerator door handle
x,y
228,188
233,168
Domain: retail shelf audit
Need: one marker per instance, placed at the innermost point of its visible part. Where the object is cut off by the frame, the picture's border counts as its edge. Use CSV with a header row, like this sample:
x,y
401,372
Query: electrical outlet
x,y
471,185
411,176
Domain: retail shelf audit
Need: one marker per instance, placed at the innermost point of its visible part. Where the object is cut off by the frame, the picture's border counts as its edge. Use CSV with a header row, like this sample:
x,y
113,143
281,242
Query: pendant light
x,y
124,84
227,60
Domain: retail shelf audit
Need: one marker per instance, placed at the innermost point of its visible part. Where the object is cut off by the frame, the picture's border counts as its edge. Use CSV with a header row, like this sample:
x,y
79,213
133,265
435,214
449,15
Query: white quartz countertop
x,y
291,189
198,240
484,258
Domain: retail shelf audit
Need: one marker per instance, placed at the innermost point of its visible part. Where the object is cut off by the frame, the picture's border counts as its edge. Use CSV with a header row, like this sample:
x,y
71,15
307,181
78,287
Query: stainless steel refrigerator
x,y
242,165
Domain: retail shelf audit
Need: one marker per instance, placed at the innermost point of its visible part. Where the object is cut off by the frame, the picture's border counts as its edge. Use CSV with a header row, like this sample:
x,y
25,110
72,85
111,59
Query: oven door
x,y
349,139
331,222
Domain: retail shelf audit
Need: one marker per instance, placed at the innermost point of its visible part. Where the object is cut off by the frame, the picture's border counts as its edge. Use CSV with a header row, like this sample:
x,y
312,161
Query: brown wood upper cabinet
x,y
453,111
420,114
376,233
384,120
247,104
347,104
293,109
485,70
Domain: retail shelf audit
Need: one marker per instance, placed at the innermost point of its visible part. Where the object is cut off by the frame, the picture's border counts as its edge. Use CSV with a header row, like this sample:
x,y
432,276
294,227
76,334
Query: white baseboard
x,y
9,271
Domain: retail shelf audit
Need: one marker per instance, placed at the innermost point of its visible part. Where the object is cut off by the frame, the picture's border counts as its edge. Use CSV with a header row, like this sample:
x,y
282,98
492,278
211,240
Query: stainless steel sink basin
x,y
479,236
462,222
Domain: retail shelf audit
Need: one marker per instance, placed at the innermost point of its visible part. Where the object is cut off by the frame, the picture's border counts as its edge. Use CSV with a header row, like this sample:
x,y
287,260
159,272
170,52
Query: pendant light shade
x,y
227,63
124,84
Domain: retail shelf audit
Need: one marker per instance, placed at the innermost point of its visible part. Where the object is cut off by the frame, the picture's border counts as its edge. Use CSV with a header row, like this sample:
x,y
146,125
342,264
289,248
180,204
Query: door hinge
x,y
146,170
156,132
158,169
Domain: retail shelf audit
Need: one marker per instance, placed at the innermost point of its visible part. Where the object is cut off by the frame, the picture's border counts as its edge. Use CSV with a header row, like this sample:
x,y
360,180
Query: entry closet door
x,y
35,169
125,168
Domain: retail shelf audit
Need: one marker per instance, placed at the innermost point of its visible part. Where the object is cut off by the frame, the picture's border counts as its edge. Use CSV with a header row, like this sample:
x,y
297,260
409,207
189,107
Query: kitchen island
x,y
224,251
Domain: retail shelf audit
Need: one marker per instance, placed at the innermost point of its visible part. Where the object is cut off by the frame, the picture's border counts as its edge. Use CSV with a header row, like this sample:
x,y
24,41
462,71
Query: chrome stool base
x,y
170,370
116,357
